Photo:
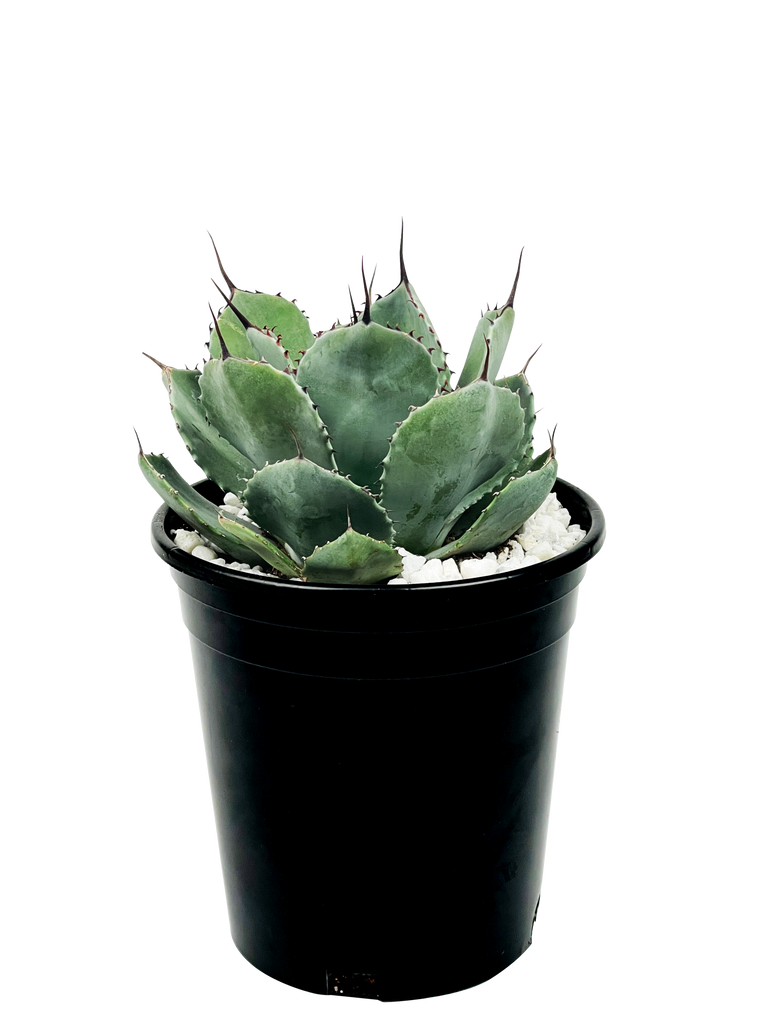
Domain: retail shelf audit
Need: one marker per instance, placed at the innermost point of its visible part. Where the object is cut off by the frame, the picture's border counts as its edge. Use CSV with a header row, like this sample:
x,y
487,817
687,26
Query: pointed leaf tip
x,y
529,358
514,288
220,265
155,359
351,302
365,289
401,259
240,316
225,353
137,438
551,433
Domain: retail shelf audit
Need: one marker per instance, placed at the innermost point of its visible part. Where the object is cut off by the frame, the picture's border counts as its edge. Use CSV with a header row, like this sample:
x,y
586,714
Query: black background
x,y
171,907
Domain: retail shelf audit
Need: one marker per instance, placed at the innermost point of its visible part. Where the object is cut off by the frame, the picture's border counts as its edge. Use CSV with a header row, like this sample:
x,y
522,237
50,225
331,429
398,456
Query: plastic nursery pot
x,y
381,763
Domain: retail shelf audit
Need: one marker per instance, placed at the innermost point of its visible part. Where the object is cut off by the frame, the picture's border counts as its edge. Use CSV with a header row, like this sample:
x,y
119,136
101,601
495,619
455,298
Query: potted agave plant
x,y
380,755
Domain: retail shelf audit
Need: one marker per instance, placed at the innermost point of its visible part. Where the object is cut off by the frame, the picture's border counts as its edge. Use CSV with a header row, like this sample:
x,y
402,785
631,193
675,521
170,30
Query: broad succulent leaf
x,y
485,495
363,379
268,313
239,528
262,412
507,512
493,330
520,384
470,507
241,541
442,453
306,506
352,558
403,309
217,458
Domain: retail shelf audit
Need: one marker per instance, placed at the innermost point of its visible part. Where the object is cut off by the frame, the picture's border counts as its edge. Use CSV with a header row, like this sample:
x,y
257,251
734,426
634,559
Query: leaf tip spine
x,y
226,278
514,288
137,438
403,272
367,310
155,359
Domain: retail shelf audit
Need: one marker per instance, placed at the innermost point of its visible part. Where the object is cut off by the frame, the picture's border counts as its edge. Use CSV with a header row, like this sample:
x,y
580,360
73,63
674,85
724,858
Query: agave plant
x,y
345,445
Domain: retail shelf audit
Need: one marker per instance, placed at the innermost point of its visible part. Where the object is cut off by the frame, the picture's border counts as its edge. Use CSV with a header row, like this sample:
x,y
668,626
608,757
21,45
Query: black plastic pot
x,y
381,763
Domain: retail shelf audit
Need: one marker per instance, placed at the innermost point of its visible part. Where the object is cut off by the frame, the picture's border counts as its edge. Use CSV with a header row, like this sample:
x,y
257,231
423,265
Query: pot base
x,y
374,987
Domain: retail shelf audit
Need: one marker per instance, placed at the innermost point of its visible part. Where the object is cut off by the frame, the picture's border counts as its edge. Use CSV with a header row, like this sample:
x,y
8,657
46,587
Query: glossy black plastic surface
x,y
381,764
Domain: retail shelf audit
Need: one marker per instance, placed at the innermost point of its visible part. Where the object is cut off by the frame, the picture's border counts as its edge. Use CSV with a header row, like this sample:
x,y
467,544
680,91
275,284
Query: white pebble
x,y
542,550
530,560
472,568
187,540
550,503
412,563
432,572
511,565
568,541
201,551
450,569
232,499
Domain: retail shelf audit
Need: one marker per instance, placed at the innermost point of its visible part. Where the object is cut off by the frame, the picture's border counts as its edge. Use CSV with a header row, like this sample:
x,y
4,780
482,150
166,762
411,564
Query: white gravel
x,y
547,533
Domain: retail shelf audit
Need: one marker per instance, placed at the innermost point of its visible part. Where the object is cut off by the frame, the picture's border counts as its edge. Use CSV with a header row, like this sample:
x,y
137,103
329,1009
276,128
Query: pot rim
x,y
552,568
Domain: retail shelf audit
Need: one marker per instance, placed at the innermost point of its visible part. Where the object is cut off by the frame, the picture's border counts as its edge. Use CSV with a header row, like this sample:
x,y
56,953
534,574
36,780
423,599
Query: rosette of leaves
x,y
350,443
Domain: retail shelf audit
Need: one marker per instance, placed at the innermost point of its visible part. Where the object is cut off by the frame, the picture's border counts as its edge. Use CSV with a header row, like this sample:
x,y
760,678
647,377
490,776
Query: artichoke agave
x,y
346,444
